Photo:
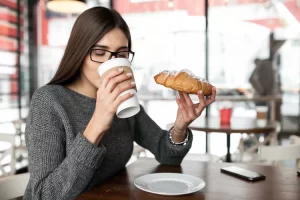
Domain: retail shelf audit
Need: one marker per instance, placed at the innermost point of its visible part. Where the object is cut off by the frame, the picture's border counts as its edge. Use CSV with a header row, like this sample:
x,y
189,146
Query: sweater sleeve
x,y
54,174
150,136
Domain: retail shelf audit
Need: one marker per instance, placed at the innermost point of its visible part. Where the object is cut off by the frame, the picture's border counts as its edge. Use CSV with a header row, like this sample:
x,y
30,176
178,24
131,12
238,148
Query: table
x,y
272,100
280,183
237,125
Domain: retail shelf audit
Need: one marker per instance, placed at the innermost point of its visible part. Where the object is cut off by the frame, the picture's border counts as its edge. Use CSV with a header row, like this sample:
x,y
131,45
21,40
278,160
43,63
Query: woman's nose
x,y
113,55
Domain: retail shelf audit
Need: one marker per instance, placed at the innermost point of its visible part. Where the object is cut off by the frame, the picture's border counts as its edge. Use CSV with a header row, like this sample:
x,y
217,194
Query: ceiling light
x,y
67,6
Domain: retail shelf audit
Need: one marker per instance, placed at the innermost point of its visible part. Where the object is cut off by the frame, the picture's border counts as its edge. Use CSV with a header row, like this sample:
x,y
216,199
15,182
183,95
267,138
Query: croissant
x,y
183,81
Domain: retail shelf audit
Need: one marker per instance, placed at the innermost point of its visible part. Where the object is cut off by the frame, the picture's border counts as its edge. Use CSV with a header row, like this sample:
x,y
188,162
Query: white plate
x,y
170,184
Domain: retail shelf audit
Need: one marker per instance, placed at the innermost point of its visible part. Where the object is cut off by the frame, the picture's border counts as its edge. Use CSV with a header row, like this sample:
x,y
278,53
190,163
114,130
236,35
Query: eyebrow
x,y
124,47
101,46
106,47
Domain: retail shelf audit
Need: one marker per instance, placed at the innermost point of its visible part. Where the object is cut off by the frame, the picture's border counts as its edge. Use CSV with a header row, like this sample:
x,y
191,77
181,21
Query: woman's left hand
x,y
188,111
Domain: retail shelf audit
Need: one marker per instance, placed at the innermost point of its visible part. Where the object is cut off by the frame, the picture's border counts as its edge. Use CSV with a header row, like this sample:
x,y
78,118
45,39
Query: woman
x,y
73,137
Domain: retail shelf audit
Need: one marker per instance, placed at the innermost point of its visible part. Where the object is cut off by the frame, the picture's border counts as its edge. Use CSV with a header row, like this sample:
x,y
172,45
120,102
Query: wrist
x,y
182,139
93,133
178,138
179,132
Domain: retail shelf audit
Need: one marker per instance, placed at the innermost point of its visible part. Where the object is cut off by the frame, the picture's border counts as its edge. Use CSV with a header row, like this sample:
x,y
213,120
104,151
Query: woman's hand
x,y
188,112
107,102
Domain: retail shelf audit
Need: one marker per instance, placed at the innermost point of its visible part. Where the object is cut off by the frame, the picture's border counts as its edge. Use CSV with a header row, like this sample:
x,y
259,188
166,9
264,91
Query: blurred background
x,y
234,44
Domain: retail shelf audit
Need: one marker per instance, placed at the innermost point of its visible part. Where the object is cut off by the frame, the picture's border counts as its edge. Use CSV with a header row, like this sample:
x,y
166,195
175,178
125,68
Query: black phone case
x,y
261,177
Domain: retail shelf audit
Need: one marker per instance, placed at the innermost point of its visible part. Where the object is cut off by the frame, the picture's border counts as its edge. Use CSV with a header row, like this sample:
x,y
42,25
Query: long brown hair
x,y
88,29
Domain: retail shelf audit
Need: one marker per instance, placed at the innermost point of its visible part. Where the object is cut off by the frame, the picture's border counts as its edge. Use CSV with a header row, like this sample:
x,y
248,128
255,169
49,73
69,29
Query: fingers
x,y
181,107
121,99
204,102
189,105
111,86
179,102
113,82
182,99
109,76
187,99
121,88
186,106
201,104
212,97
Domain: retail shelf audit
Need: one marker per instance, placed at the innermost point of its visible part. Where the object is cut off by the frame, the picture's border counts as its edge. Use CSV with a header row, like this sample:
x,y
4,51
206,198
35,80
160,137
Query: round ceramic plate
x,y
170,184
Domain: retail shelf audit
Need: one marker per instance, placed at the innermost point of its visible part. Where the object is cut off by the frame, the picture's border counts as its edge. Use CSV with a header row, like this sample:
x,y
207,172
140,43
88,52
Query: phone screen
x,y
243,173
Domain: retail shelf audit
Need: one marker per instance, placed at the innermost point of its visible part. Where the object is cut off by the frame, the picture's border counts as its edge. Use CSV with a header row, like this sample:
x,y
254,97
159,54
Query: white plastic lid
x,y
262,108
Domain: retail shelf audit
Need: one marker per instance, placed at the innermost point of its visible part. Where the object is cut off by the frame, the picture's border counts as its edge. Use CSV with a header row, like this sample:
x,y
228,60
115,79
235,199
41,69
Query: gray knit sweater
x,y
63,164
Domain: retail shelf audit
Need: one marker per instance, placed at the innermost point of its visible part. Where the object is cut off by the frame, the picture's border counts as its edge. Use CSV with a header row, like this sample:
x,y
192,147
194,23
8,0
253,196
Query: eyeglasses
x,y
101,55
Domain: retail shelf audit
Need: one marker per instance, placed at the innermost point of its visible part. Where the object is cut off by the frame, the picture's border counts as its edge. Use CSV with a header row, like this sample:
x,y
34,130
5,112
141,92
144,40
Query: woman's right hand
x,y
107,102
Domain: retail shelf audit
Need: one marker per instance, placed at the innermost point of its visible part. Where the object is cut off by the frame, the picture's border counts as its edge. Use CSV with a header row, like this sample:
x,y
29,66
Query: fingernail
x,y
120,69
129,74
178,97
131,93
200,92
133,83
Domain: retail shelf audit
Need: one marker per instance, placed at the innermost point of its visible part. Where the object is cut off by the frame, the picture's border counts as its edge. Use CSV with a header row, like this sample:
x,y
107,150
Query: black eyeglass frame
x,y
112,53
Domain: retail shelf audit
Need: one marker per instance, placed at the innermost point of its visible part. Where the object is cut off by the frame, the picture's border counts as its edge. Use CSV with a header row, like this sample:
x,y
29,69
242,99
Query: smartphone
x,y
243,173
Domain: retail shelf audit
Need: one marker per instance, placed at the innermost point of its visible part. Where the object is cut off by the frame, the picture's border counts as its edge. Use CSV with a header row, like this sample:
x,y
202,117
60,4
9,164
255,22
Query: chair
x,y
276,154
13,186
8,152
270,138
138,150
295,140
20,126
250,154
13,157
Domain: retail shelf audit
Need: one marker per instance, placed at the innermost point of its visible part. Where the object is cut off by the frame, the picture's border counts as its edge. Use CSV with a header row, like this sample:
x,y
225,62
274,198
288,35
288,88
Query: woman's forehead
x,y
114,39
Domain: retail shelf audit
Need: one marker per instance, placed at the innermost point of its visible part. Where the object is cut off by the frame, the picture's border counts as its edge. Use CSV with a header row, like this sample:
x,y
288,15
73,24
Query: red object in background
x,y
225,115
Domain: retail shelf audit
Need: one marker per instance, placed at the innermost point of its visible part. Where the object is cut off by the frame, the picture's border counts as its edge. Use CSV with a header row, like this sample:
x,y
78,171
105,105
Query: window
x,y
14,101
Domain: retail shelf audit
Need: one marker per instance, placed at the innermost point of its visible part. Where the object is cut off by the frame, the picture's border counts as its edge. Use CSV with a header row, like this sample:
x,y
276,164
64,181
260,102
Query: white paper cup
x,y
261,112
131,106
261,122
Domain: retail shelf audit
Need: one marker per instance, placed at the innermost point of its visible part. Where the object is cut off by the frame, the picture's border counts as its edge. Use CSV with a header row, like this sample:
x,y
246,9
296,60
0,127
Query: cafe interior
x,y
249,50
